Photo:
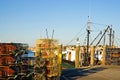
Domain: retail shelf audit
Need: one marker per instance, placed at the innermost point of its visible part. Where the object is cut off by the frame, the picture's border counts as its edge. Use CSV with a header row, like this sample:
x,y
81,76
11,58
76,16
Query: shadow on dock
x,y
72,74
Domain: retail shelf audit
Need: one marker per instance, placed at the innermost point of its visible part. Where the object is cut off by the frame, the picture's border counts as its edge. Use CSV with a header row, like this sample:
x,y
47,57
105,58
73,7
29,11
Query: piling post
x,y
77,56
104,55
60,58
92,55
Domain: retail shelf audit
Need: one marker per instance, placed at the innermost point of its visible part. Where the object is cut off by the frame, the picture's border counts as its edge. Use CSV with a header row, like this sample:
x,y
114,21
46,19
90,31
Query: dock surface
x,y
110,72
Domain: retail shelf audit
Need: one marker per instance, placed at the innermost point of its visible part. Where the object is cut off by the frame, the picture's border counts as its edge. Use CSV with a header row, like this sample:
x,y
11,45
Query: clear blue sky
x,y
26,20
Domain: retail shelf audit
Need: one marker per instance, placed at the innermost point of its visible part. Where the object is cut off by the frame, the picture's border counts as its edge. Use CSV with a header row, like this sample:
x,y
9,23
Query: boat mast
x,y
88,35
113,38
110,36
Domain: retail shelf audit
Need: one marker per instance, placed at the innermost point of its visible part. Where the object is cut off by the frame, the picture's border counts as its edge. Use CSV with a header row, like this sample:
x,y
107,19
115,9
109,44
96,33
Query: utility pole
x,y
88,34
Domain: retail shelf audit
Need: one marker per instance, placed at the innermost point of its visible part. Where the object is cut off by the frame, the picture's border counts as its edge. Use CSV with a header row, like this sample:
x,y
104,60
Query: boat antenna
x,y
52,33
47,33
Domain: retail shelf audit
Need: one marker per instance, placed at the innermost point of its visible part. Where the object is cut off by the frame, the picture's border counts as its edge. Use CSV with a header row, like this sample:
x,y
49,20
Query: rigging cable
x,y
76,35
99,24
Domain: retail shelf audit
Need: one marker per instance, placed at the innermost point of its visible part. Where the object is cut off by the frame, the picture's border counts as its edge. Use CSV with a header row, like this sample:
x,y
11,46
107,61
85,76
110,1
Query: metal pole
x,y
77,56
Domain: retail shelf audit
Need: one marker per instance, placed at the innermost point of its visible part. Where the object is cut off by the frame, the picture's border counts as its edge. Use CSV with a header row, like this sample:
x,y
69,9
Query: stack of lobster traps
x,y
113,56
11,61
46,66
